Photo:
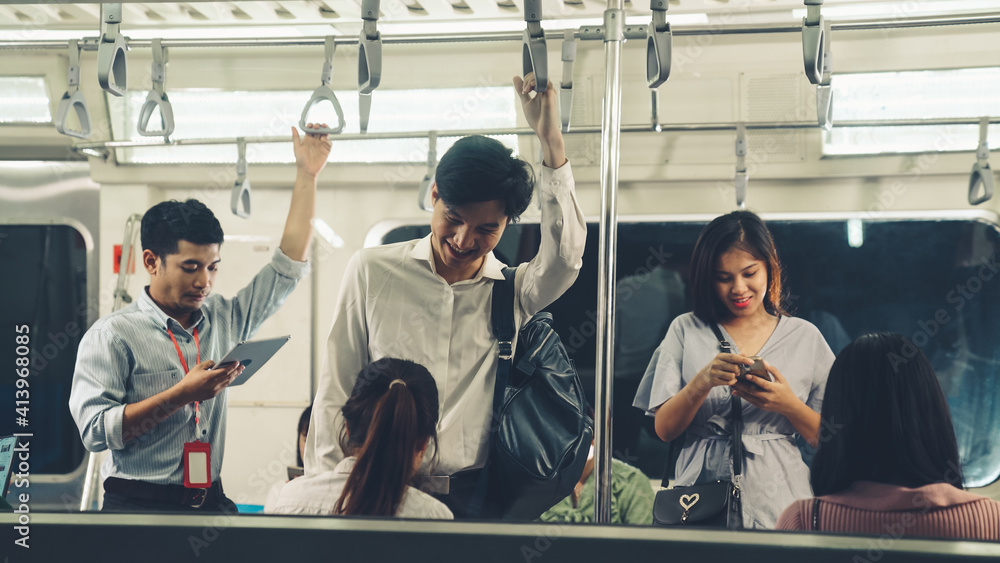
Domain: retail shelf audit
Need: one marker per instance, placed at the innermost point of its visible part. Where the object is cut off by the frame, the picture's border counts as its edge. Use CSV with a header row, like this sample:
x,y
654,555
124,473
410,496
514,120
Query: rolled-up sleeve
x,y
97,396
563,237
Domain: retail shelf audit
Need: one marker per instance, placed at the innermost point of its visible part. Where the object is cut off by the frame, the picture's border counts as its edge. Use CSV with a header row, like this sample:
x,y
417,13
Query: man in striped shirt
x,y
141,388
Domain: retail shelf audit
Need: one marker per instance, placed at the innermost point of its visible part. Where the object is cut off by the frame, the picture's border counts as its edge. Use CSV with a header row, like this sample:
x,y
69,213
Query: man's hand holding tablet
x,y
252,355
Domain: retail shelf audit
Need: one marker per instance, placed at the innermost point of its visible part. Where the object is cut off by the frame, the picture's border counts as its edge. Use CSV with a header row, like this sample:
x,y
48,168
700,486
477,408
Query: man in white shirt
x,y
428,300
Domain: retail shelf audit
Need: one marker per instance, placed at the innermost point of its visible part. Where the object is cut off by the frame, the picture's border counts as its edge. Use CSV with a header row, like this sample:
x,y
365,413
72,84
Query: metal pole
x,y
614,19
90,43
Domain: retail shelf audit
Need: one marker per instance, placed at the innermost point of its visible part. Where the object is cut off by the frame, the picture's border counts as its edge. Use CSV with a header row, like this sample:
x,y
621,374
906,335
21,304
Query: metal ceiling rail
x,y
590,129
91,43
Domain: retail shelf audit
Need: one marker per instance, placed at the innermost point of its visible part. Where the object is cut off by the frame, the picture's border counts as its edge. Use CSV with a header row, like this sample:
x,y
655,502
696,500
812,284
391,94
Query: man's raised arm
x,y
310,157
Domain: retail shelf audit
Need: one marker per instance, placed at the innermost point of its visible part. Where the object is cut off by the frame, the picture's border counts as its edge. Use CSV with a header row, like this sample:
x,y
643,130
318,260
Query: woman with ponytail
x,y
390,421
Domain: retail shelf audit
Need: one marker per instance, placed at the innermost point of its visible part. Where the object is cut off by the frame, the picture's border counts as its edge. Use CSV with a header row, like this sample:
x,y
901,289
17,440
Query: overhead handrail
x,y
982,175
813,31
73,98
659,45
566,86
742,177
157,97
112,67
534,53
239,201
824,90
324,93
423,194
369,60
527,131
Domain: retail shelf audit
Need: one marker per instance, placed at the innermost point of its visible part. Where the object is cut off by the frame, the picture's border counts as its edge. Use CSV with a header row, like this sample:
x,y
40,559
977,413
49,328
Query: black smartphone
x,y
757,369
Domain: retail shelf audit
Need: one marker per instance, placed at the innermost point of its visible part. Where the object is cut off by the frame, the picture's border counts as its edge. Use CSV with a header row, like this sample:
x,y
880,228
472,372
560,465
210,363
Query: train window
x,y
206,115
933,280
24,99
929,94
51,288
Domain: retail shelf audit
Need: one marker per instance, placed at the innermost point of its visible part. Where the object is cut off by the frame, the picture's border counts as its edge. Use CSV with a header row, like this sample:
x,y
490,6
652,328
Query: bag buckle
x,y
197,498
506,350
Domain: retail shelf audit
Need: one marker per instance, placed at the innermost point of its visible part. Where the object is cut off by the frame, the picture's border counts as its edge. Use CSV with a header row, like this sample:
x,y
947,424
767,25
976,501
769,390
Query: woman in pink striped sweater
x,y
889,464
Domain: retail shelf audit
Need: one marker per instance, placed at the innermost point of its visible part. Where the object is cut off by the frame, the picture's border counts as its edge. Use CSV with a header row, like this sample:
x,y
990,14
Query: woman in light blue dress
x,y
736,284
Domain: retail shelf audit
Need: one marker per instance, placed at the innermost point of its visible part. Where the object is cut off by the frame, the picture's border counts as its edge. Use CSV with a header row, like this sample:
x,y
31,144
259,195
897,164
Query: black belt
x,y
166,494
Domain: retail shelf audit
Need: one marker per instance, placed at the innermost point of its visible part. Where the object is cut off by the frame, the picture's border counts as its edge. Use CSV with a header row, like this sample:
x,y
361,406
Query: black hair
x,y
742,230
886,419
167,223
392,412
303,429
478,169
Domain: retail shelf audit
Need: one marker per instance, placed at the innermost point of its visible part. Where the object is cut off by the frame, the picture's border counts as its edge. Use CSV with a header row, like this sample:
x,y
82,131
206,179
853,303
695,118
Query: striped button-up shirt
x,y
128,356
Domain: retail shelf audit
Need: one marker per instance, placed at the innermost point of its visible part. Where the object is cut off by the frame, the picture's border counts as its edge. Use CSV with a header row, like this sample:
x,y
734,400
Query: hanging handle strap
x,y
324,93
534,53
112,67
742,178
157,97
239,200
824,90
813,37
981,179
659,45
369,60
566,87
73,98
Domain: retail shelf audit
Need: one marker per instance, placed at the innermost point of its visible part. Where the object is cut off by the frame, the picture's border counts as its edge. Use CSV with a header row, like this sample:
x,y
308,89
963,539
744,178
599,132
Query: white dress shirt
x,y
318,494
392,303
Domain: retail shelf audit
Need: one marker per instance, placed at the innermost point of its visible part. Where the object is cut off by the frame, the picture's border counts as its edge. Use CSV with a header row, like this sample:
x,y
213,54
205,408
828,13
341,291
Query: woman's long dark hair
x,y
391,414
747,232
885,419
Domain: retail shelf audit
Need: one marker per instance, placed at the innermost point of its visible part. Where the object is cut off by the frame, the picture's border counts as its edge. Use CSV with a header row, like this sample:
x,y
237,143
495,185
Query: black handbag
x,y
717,504
540,433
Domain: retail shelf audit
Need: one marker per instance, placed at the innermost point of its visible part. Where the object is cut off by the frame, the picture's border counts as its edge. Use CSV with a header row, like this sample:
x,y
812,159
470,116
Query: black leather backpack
x,y
540,432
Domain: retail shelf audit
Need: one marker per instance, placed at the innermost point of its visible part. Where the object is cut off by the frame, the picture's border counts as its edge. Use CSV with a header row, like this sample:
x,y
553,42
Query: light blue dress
x,y
774,474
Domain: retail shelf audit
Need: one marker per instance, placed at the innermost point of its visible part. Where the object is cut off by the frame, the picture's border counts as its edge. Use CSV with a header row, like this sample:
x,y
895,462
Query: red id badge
x,y
197,465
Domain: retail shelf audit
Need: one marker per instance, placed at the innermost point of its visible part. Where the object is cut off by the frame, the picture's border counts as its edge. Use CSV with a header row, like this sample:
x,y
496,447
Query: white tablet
x,y
252,354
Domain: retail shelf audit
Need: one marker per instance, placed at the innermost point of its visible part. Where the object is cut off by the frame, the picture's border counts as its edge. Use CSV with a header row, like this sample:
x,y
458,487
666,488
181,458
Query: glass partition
x,y
45,276
934,280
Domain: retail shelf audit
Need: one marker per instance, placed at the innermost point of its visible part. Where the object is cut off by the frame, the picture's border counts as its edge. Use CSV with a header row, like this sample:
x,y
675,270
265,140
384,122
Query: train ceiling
x,y
325,17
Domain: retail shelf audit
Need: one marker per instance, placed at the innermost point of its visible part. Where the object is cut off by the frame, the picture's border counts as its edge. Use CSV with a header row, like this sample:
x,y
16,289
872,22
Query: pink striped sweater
x,y
938,510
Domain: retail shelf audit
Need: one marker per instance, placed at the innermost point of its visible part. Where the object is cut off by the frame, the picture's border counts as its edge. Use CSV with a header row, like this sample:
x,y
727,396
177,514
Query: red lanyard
x,y
184,364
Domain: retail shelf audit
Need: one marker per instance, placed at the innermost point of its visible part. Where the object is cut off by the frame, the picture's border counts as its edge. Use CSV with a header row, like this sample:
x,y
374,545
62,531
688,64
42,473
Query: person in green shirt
x,y
631,497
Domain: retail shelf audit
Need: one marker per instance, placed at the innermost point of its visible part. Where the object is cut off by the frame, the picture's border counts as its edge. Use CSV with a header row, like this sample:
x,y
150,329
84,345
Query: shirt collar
x,y
492,268
147,304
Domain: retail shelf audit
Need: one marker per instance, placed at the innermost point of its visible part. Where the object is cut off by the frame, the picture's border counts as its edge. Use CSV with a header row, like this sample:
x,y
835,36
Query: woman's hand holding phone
x,y
775,396
724,369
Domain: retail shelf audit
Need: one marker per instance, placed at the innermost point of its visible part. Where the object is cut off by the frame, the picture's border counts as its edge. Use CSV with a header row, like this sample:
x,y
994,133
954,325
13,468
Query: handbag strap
x,y
815,516
735,410
502,318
